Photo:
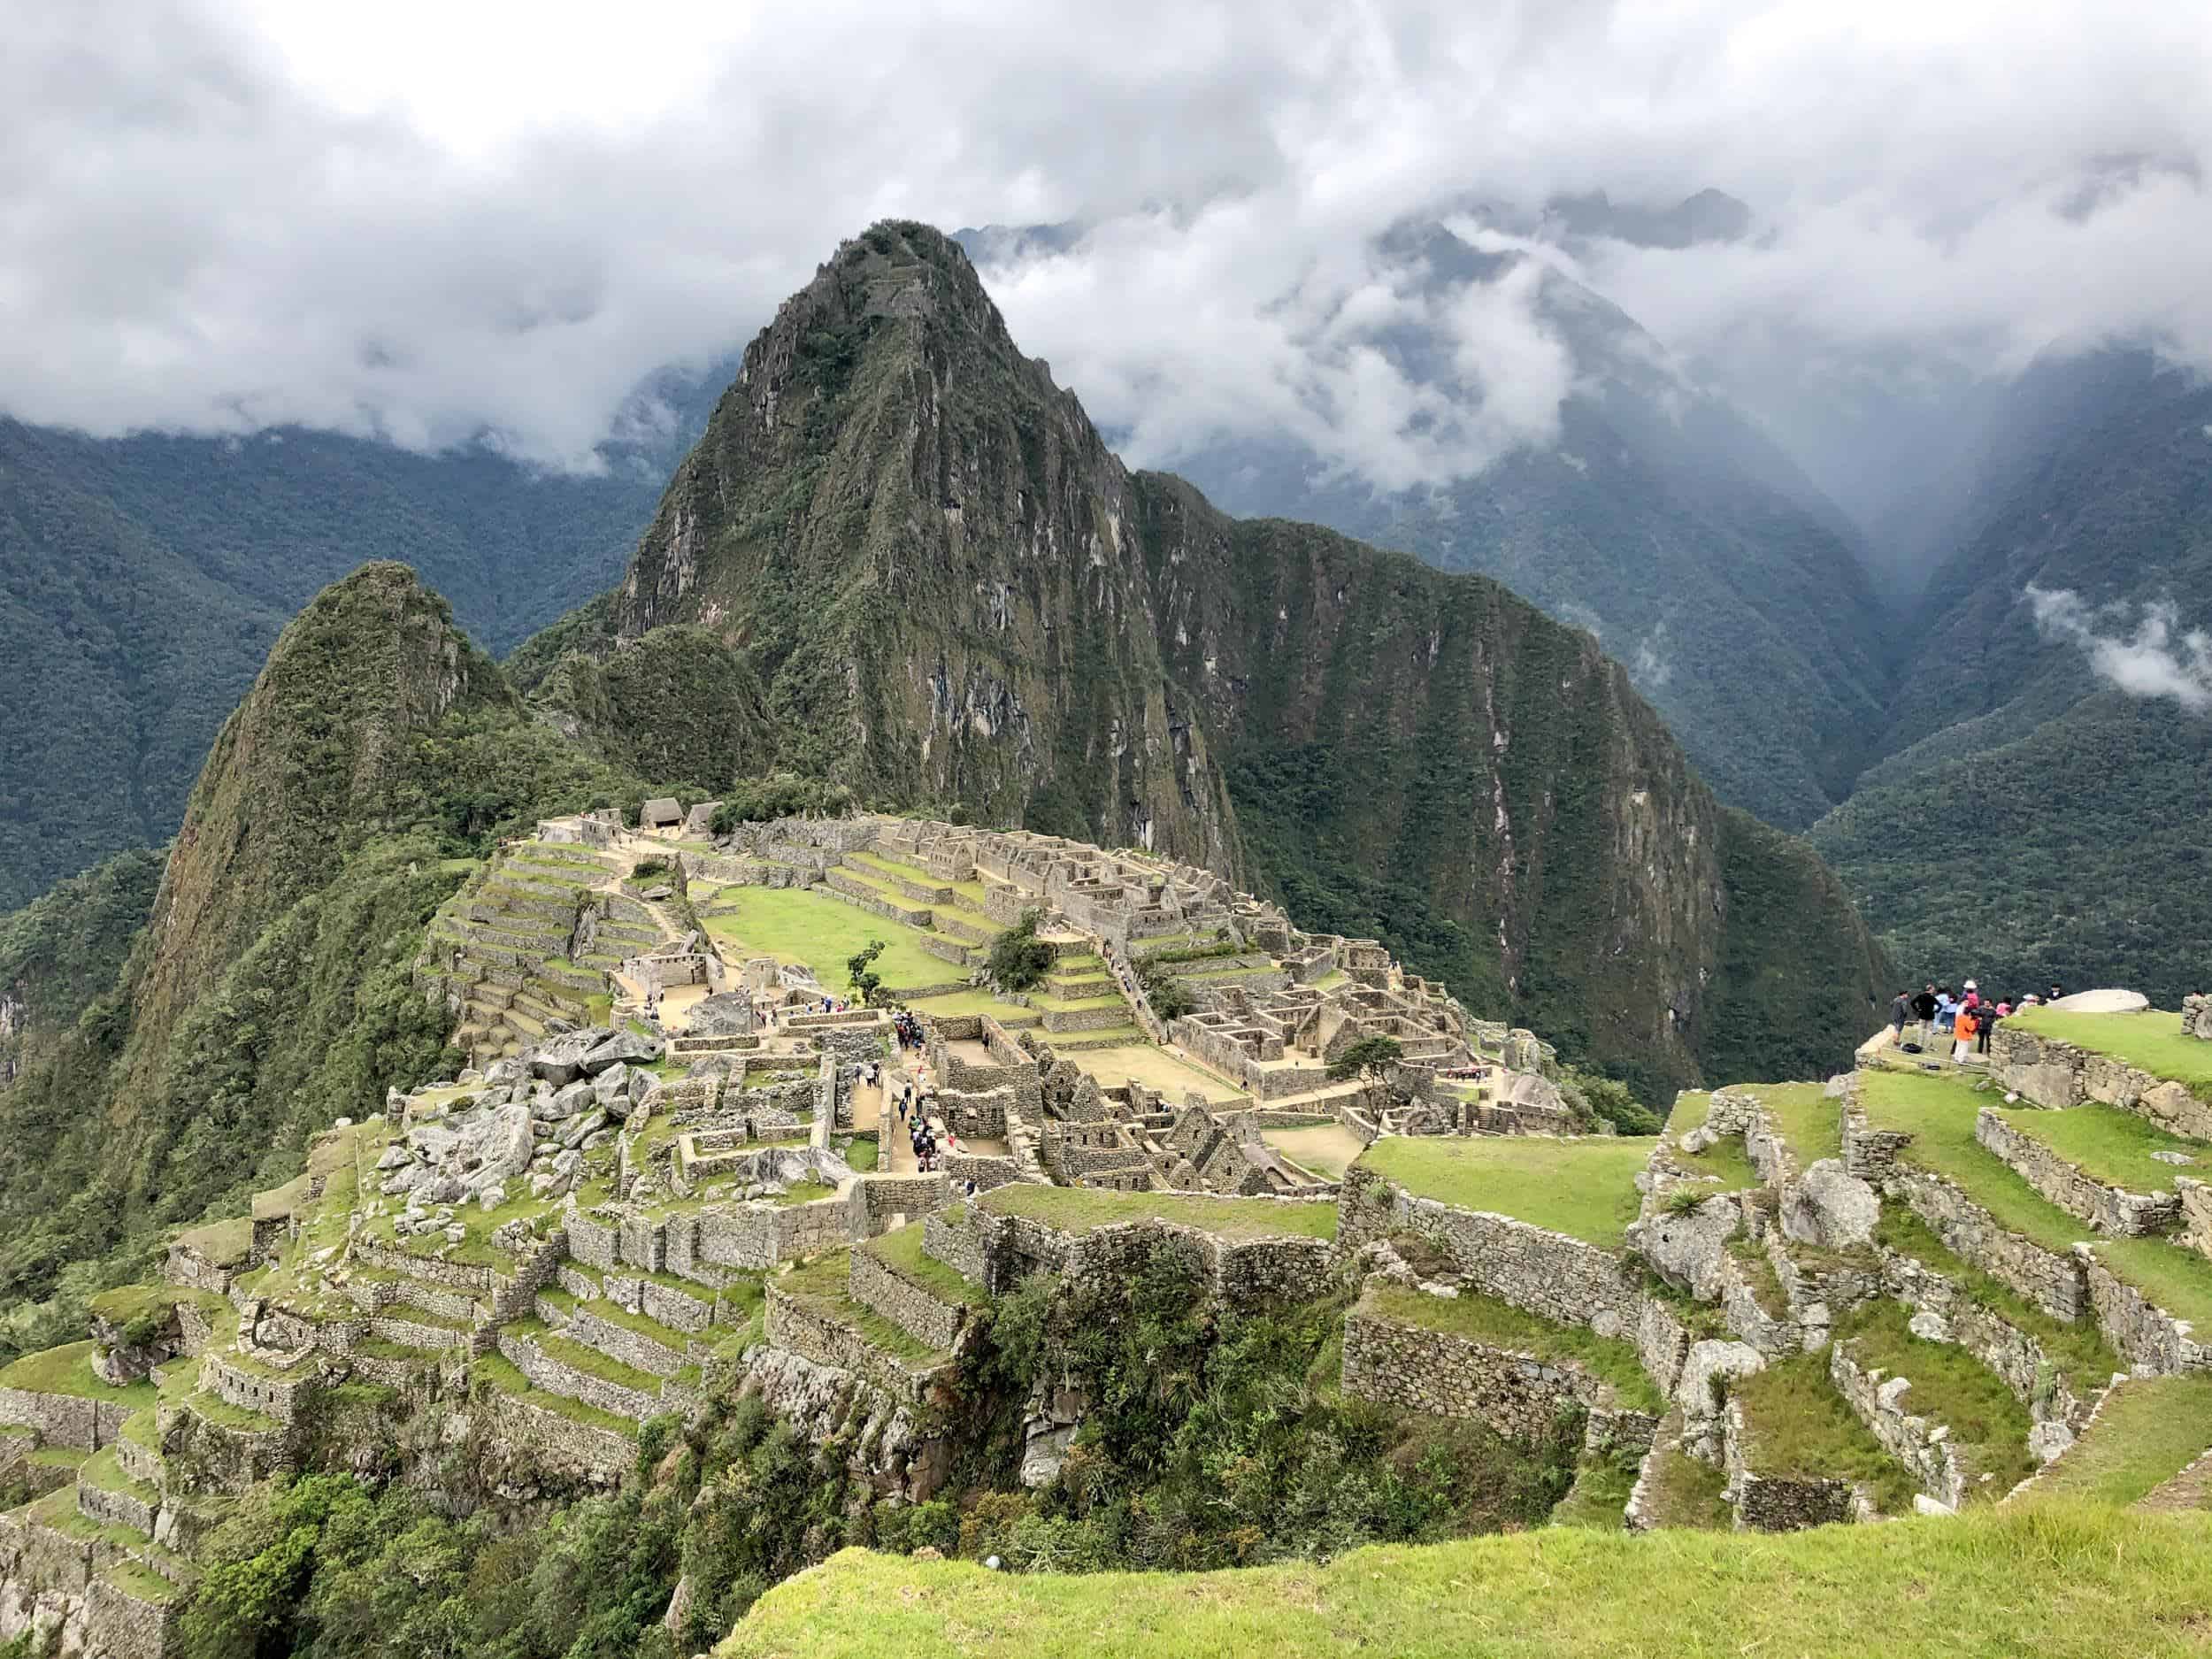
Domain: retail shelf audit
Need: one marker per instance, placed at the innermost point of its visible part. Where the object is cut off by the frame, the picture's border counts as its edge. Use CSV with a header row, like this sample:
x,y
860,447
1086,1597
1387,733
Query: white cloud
x,y
431,221
2141,650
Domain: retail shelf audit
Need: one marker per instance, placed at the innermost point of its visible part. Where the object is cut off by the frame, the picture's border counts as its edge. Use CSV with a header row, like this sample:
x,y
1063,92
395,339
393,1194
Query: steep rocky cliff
x,y
953,592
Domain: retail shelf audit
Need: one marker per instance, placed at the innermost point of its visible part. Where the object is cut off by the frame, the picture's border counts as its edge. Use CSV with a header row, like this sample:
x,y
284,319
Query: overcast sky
x,y
426,219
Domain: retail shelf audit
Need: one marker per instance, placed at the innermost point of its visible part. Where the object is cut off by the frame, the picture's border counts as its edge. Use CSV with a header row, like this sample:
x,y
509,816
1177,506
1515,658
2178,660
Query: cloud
x,y
2153,657
436,223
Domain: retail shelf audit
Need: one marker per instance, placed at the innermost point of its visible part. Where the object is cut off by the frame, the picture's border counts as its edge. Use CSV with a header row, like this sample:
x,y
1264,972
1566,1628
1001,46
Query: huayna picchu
x,y
978,1009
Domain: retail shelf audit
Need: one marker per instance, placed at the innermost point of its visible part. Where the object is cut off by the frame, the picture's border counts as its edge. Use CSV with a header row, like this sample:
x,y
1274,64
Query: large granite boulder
x,y
1687,1246
1830,1207
560,1060
623,1048
729,1014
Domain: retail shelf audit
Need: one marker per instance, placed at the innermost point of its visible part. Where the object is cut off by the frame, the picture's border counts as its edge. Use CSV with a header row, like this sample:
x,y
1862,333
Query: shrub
x,y
1019,960
779,795
1370,1059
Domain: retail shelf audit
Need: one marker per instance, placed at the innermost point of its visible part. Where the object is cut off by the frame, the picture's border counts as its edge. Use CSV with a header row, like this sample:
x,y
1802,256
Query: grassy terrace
x,y
1950,1386
1797,1425
2061,1582
2152,1041
902,1249
1810,1122
1686,1492
971,891
798,925
1583,1186
824,1282
68,1370
2148,1431
1485,1319
2079,1351
576,1355
222,1242
1938,1112
1725,1161
499,1372
2110,1146
1691,1108
1081,1209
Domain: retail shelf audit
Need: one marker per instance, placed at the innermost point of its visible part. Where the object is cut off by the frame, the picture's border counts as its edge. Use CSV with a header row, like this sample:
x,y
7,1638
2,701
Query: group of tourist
x,y
1966,1019
906,1029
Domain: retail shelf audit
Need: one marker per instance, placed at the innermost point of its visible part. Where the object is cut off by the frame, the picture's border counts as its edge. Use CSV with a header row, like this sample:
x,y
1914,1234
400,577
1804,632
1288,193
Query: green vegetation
x,y
1807,1118
2065,1582
860,973
902,1248
2109,1146
2150,1042
796,925
2147,1431
1081,1209
1796,1425
1584,1187
68,1370
1726,1161
1370,1059
1599,1097
1950,1386
1018,958
1170,997
779,795
1684,1493
2075,1348
824,1282
1485,1319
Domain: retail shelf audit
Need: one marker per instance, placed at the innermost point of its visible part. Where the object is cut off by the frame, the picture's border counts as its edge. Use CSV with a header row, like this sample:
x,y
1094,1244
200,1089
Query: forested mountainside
x,y
339,806
953,593
143,580
1660,520
2032,821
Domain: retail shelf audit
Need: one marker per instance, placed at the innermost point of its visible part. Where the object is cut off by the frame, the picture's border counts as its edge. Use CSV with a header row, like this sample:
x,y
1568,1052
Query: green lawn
x,y
2148,1430
1807,1119
1081,1209
2059,1582
967,1001
1485,1320
1692,1107
1939,1113
796,925
1725,1161
2111,1146
825,1281
498,1372
2150,1040
1797,1425
1583,1186
1950,1386
1686,1492
68,1370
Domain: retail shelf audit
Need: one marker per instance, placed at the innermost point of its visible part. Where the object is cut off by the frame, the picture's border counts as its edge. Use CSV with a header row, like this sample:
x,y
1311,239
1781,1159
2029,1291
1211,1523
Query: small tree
x,y
860,973
1018,957
1370,1059
1170,997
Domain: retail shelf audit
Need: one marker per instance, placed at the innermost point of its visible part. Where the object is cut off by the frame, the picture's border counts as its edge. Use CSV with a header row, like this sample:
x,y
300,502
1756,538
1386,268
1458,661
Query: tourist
x,y
970,1191
1899,1008
1973,996
1947,1008
1924,1006
1964,1027
2055,992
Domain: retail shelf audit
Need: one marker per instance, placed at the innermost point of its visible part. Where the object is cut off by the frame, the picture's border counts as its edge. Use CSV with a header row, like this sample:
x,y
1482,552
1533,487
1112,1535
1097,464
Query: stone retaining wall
x,y
807,1331
2052,1281
557,1377
633,1348
2196,1214
1562,1278
2018,1359
65,1419
1923,1447
2109,1208
558,1443
452,1275
116,1509
1253,1273
2058,1075
958,1243
1521,1396
913,1307
2152,1341
1777,1503
120,1625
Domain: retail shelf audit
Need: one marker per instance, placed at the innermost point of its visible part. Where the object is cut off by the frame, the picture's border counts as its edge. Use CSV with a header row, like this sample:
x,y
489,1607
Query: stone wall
x,y
2016,1358
913,1307
2196,1214
1521,1396
559,1444
955,1236
876,1199
1922,1446
633,1348
63,1419
2052,1281
2152,1341
452,1275
809,1332
2057,1074
1777,1504
2108,1208
557,1377
282,1397
120,1625
1562,1278
116,1509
